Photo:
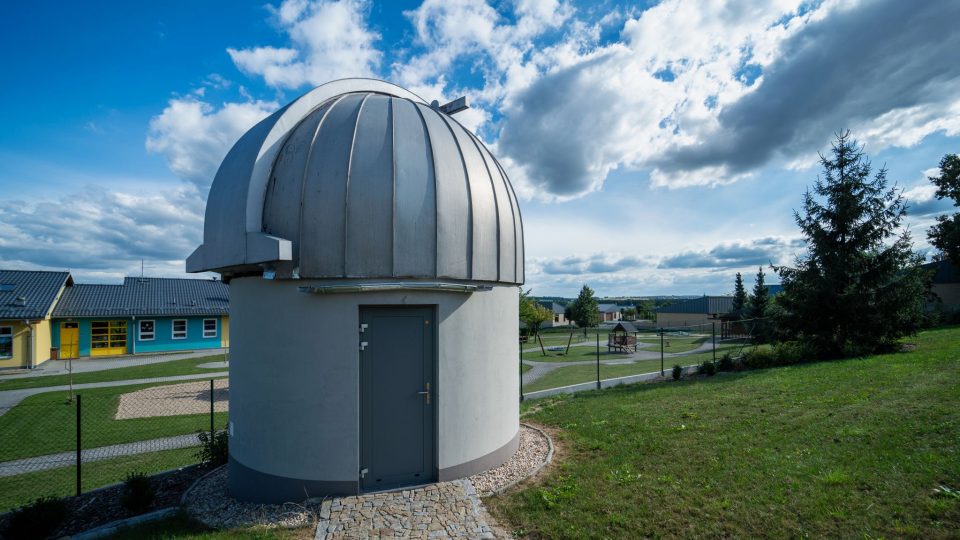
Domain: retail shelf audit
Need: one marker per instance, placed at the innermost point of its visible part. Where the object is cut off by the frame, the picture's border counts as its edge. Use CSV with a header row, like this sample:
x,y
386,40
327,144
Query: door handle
x,y
426,393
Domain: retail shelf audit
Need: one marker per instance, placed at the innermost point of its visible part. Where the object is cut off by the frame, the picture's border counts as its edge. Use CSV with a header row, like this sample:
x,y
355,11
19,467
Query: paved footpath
x,y
68,459
86,365
11,398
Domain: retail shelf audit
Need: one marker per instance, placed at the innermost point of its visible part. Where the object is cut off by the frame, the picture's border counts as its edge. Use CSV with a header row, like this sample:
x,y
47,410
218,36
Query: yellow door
x,y
108,338
69,340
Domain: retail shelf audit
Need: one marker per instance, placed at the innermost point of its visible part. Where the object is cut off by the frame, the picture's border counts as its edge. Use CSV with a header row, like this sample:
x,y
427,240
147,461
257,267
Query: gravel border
x,y
535,452
209,502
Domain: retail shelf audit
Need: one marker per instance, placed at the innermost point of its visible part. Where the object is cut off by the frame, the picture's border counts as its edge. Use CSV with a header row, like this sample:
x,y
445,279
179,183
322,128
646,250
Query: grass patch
x,y
187,366
46,423
852,448
182,526
21,489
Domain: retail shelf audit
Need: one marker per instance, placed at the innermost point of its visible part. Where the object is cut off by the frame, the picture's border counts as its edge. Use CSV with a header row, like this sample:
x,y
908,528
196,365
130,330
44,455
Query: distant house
x,y
609,312
696,311
945,286
559,317
27,298
142,315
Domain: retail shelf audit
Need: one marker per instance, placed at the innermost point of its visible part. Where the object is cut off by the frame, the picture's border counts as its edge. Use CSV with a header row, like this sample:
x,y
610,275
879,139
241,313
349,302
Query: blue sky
x,y
657,148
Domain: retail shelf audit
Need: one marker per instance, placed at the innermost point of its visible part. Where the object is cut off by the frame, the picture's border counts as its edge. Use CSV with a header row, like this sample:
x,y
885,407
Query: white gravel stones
x,y
209,501
174,399
530,457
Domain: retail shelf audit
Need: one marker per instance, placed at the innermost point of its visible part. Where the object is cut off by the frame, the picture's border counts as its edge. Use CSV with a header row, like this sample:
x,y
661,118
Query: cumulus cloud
x,y
736,255
103,233
328,40
594,264
883,68
194,136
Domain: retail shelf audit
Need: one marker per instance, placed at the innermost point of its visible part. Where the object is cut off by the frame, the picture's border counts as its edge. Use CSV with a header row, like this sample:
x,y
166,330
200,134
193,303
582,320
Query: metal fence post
x,y
598,360
211,411
661,351
714,325
79,447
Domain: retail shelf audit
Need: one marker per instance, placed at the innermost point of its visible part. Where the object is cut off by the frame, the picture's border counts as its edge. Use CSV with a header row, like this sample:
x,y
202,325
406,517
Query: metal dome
x,y
362,179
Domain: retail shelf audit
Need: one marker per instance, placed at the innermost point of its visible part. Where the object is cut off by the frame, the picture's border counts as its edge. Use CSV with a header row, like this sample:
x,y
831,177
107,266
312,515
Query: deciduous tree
x,y
945,235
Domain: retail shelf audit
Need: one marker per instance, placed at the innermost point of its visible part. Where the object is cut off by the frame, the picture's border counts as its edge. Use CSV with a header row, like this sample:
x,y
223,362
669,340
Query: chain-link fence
x,y
580,360
59,444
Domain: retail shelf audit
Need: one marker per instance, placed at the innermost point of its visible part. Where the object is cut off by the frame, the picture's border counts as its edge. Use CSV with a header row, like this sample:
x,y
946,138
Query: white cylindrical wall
x,y
294,384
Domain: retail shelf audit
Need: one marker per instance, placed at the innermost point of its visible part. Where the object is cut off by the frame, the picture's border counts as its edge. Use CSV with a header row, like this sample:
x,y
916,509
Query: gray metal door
x,y
397,397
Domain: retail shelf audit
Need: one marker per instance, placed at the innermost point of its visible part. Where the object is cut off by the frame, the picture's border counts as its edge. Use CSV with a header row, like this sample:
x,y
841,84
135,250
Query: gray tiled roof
x,y
608,308
558,309
704,304
37,289
944,272
138,297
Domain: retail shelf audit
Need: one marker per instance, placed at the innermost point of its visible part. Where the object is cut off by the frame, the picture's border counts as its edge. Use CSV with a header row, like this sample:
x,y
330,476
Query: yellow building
x,y
27,299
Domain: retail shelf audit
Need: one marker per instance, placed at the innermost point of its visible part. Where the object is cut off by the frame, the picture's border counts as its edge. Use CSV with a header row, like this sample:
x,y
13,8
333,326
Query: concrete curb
x,y
604,383
535,471
114,526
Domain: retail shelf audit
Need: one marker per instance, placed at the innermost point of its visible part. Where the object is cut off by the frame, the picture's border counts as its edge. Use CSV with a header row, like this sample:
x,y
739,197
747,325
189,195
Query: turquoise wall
x,y
163,331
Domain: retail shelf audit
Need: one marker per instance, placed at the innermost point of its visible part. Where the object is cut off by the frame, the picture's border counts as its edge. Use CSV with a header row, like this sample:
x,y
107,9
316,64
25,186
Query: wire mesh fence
x,y
58,444
580,360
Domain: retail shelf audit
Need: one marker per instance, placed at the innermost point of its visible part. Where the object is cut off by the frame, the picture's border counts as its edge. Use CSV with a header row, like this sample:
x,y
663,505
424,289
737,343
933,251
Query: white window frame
x,y
8,333
173,328
140,332
216,328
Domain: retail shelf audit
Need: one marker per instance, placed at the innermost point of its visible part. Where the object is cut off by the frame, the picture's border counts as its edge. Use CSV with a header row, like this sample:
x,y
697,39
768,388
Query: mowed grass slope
x,y
852,448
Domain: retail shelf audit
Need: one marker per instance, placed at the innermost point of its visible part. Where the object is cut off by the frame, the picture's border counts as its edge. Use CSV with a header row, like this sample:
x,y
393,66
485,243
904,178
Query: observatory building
x,y
374,250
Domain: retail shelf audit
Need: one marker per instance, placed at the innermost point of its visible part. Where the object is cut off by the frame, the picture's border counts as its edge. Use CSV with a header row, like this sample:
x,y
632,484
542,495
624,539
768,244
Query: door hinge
x,y
363,345
363,472
363,328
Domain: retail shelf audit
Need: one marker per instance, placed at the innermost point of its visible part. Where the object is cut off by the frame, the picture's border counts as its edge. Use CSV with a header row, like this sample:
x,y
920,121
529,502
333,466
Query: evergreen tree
x,y
759,298
739,295
584,309
859,288
945,235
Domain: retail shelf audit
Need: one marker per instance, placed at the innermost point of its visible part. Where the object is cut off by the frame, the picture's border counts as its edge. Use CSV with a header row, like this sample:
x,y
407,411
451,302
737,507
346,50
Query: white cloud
x,y
329,40
194,136
101,233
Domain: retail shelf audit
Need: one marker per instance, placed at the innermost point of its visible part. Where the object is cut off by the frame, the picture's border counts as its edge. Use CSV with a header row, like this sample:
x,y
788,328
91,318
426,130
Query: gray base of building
x,y
251,485
483,463
255,486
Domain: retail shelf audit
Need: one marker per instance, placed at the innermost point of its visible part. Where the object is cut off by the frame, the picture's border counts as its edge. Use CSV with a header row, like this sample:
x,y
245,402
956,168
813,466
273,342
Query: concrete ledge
x,y
493,459
255,486
113,527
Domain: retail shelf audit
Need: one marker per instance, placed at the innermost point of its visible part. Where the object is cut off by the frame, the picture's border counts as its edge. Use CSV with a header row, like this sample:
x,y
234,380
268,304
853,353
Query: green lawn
x,y
842,449
21,489
568,375
45,423
576,354
182,526
162,369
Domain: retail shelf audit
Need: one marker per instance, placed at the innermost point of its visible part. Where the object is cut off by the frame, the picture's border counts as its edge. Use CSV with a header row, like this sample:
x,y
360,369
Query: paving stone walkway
x,y
68,459
444,510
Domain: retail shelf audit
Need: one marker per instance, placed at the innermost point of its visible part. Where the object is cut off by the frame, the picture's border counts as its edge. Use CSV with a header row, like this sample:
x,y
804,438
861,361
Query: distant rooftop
x,y
704,304
29,294
147,296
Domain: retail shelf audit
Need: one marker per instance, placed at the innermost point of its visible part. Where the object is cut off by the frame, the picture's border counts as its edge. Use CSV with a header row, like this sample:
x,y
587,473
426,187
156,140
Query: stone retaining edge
x,y
114,526
535,471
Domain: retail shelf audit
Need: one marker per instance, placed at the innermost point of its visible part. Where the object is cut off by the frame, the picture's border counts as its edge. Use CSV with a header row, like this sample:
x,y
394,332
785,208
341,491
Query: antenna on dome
x,y
455,106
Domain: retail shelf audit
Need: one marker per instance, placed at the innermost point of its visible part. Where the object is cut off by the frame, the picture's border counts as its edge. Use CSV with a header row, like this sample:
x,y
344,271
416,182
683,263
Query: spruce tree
x,y
739,295
584,309
859,288
759,298
945,235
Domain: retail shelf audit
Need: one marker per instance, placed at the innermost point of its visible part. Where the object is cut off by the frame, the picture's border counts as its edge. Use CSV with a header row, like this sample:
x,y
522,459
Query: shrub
x,y
677,372
213,450
138,492
708,368
759,358
39,519
793,352
725,363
